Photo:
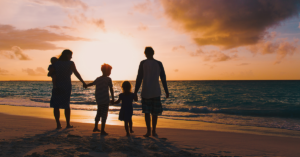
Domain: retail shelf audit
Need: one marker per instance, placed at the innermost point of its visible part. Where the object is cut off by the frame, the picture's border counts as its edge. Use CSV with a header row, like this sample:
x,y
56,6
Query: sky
x,y
194,39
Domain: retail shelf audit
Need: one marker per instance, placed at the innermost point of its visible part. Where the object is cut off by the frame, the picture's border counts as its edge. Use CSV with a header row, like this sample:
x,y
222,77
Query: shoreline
x,y
84,116
28,135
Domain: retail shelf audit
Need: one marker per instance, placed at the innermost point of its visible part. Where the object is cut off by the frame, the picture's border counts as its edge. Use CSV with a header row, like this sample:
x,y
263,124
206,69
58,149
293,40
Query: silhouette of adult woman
x,y
60,98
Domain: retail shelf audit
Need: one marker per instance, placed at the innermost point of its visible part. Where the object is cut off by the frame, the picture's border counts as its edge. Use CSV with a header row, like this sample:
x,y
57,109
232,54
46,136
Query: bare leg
x,y
57,116
126,128
148,121
130,126
68,115
154,122
97,119
103,121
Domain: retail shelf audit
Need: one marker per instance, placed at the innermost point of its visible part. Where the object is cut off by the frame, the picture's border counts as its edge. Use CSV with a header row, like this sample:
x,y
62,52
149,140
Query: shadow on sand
x,y
63,143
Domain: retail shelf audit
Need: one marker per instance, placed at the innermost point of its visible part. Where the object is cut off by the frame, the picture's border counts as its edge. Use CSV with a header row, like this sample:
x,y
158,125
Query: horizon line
x,y
167,80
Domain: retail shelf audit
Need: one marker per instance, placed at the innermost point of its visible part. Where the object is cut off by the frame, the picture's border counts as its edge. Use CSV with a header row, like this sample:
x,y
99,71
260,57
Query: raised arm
x,y
163,79
73,68
139,78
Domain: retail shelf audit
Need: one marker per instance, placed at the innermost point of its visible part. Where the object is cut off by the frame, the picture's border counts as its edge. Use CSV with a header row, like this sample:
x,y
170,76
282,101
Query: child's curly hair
x,y
126,87
105,68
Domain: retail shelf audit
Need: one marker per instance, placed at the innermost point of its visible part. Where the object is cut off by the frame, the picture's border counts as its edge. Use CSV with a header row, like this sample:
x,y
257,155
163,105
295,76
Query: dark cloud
x,y
63,3
39,71
3,72
229,23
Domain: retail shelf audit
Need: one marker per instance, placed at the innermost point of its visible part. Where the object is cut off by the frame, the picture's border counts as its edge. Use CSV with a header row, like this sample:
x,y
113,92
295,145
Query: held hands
x,y
84,85
112,101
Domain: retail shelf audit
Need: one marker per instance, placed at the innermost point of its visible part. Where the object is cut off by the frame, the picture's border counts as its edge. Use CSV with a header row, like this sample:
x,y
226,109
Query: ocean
x,y
272,104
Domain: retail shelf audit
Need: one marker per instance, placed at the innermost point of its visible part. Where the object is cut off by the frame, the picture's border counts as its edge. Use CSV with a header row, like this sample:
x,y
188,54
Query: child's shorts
x,y
152,105
102,111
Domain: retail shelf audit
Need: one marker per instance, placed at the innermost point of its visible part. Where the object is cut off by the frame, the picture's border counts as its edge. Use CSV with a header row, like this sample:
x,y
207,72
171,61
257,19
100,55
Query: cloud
x,y
299,25
243,64
228,23
83,19
215,56
63,3
60,27
176,70
142,27
152,7
210,66
39,71
177,48
34,39
281,48
19,53
144,7
3,72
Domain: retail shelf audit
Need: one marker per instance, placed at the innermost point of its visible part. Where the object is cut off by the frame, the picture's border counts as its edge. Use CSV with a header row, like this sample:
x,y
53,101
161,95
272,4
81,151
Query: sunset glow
x,y
193,41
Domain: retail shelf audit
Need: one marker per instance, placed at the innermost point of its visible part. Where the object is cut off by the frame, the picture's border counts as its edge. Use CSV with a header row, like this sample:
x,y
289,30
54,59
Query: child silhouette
x,y
126,107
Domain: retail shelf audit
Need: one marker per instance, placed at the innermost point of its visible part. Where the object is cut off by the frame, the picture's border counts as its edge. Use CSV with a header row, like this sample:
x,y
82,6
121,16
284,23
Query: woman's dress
x,y
61,95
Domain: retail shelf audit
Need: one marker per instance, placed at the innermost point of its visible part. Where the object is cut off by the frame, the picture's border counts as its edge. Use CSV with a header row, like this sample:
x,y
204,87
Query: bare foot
x,y
128,134
147,135
69,126
131,131
96,130
58,127
154,134
103,133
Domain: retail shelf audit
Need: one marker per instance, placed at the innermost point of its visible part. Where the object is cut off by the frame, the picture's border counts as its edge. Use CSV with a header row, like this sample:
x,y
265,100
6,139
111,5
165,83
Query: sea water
x,y
273,104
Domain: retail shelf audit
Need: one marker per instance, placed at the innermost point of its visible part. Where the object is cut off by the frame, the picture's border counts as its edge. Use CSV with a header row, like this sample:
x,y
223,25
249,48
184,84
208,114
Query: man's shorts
x,y
152,105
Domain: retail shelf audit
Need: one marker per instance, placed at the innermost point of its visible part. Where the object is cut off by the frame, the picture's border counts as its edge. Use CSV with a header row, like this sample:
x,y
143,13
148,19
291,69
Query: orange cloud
x,y
215,56
63,3
142,27
38,39
280,48
82,19
60,27
228,23
176,48
3,72
243,64
39,71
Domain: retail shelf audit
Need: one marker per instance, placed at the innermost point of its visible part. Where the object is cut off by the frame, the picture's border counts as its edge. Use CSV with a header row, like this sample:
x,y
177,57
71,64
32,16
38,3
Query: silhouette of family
x,y
149,72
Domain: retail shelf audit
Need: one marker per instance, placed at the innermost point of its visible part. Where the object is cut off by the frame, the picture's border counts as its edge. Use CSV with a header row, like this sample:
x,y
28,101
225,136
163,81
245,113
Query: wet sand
x,y
30,131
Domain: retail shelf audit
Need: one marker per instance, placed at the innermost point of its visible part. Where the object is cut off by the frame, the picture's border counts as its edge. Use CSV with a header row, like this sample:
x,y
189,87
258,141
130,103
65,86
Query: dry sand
x,y
21,135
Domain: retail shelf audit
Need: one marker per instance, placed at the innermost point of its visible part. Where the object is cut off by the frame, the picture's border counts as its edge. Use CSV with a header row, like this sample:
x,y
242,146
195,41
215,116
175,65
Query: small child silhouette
x,y
51,72
126,107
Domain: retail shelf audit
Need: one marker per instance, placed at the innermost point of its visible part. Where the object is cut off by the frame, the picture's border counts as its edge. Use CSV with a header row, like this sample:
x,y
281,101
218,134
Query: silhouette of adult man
x,y
149,72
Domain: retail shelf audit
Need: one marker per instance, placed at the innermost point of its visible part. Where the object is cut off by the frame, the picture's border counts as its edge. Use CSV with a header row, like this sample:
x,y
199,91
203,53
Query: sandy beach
x,y
30,131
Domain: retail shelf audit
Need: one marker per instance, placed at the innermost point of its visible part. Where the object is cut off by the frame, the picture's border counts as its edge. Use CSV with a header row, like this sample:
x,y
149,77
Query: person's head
x,y
126,87
53,60
149,52
66,55
106,69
